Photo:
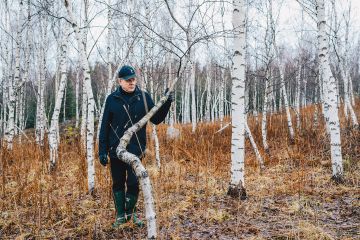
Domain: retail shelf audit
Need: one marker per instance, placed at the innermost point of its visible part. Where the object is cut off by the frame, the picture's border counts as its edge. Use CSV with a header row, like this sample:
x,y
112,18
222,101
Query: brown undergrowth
x,y
293,198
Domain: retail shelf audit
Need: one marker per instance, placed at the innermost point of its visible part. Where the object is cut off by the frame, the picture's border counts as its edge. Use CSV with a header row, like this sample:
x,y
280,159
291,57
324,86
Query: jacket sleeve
x,y
104,129
160,115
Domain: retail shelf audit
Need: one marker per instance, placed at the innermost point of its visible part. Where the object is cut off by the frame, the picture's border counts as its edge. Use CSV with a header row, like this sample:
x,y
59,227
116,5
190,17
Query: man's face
x,y
128,85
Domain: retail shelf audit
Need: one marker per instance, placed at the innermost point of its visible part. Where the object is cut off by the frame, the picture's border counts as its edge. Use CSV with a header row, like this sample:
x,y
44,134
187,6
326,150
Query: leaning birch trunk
x,y
90,101
253,144
330,94
139,169
54,126
237,183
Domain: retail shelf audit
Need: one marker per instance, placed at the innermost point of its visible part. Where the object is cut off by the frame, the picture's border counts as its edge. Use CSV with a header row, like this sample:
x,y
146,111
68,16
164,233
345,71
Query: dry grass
x,y
293,198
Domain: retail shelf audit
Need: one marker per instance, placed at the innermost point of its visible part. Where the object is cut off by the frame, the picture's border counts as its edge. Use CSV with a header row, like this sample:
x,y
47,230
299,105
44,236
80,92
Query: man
x,y
123,108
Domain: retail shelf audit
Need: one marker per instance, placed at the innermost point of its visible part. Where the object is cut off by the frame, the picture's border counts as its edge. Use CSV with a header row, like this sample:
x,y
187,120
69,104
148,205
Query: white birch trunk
x,y
298,98
84,110
193,97
237,183
208,96
171,131
221,99
264,115
90,100
330,94
186,105
40,108
191,81
22,97
77,93
10,130
54,125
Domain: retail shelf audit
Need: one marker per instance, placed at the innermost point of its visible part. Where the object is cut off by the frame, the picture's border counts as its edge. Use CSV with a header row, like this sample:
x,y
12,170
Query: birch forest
x,y
262,140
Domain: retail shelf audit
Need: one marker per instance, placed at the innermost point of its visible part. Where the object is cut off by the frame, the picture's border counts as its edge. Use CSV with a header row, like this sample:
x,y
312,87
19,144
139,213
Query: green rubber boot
x,y
119,201
130,210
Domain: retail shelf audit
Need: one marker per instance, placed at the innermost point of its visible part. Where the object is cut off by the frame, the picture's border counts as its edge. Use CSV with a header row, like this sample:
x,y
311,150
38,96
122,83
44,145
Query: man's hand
x,y
171,97
103,159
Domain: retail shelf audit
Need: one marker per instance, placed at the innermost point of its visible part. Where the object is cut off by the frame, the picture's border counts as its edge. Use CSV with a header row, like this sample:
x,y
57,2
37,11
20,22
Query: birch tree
x,y
90,99
330,98
54,125
40,100
9,133
282,80
237,183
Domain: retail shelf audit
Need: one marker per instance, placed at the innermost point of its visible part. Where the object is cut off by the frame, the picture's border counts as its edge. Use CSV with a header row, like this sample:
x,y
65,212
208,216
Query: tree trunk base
x,y
338,179
237,192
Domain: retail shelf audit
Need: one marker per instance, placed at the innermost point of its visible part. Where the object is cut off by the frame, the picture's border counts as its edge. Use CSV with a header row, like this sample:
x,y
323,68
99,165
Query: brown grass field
x,y
293,198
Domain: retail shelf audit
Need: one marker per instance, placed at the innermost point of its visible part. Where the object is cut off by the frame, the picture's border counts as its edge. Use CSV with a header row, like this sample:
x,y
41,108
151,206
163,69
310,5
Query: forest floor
x,y
293,198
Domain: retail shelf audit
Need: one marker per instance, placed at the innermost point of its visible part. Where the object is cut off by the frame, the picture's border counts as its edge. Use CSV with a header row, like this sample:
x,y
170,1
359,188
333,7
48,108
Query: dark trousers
x,y
122,173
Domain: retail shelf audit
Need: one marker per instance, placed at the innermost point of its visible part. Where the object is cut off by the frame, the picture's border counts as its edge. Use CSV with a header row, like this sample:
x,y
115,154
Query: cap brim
x,y
129,76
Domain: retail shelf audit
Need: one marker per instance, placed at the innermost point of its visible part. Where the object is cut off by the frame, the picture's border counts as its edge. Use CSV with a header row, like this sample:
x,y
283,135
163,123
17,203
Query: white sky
x,y
289,22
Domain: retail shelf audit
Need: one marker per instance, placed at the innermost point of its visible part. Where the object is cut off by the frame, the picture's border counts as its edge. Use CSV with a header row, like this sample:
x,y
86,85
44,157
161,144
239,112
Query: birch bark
x,y
40,113
329,94
237,183
208,96
10,130
54,125
77,93
90,100
298,98
264,114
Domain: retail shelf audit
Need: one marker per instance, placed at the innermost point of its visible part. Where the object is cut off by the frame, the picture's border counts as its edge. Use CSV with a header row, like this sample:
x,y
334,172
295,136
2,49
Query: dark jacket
x,y
122,110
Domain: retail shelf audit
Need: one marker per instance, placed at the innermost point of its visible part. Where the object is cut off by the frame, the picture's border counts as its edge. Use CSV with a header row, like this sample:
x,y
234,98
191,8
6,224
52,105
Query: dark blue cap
x,y
126,72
